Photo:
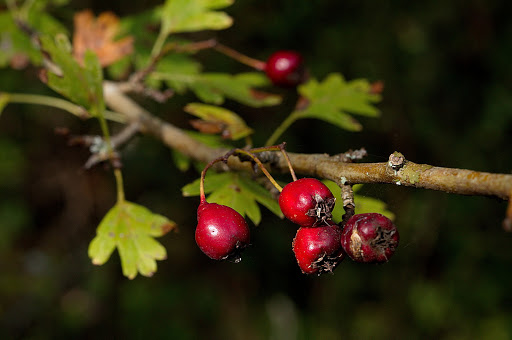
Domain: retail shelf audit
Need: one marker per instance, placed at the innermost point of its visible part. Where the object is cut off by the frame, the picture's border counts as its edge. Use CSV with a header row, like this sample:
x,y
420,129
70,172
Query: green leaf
x,y
214,88
234,125
261,195
194,15
4,100
15,43
364,204
214,182
334,99
131,229
236,191
82,85
180,65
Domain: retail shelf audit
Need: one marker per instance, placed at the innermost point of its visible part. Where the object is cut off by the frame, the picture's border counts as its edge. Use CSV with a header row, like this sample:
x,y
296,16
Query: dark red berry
x,y
318,249
221,232
285,68
370,238
307,202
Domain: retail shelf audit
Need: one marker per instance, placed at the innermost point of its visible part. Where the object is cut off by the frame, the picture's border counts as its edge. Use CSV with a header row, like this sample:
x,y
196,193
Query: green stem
x,y
119,185
58,103
159,44
106,134
110,150
48,101
282,128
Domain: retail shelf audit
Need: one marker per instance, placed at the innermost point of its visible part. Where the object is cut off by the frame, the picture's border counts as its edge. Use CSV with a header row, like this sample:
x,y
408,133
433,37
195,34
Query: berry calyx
x,y
318,250
370,238
221,232
307,202
285,68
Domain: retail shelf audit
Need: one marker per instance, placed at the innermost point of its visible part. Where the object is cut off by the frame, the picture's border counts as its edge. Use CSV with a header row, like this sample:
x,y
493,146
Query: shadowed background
x,y
447,101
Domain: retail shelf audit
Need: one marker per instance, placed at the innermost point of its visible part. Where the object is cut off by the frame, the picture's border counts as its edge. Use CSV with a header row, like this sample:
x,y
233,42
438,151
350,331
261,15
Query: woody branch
x,y
397,170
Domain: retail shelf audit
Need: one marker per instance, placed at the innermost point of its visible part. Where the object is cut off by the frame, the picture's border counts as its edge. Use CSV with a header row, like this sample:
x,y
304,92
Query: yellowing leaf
x,y
131,229
221,120
98,35
194,15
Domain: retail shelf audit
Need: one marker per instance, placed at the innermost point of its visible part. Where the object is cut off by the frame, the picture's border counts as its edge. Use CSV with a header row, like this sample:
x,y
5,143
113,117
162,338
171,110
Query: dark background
x,y
447,102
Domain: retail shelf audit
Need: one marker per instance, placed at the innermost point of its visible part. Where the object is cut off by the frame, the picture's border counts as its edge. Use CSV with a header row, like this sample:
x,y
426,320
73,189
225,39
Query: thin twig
x,y
116,141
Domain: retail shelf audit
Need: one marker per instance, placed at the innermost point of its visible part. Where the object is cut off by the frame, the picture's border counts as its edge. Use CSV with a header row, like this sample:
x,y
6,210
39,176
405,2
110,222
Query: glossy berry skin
x,y
370,238
307,202
318,249
221,232
285,68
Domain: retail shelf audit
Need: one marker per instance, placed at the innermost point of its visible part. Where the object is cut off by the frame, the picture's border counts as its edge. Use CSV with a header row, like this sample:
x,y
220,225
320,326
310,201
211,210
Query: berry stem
x,y
254,63
202,196
279,147
261,166
285,155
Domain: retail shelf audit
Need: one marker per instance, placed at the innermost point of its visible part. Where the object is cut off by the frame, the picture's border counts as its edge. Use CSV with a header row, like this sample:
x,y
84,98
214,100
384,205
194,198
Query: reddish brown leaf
x,y
209,127
98,35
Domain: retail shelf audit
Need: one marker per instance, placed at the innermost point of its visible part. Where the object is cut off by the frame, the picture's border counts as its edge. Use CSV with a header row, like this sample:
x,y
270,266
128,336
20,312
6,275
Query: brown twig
x,y
457,181
117,140
347,198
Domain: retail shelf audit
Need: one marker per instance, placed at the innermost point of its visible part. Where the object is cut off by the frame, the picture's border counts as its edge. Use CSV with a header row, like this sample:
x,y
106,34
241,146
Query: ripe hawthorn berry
x,y
221,232
285,68
370,238
307,202
318,249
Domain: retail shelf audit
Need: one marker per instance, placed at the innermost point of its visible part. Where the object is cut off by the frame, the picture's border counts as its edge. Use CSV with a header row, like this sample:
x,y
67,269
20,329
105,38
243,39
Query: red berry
x,y
307,202
221,232
285,68
370,238
318,249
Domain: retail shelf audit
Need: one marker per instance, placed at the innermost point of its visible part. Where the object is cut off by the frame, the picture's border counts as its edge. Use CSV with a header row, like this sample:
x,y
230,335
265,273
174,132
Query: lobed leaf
x,y
99,35
214,88
334,100
131,229
82,85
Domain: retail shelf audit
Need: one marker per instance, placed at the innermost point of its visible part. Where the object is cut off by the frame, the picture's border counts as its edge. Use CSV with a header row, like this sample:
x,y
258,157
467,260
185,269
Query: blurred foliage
x,y
447,101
